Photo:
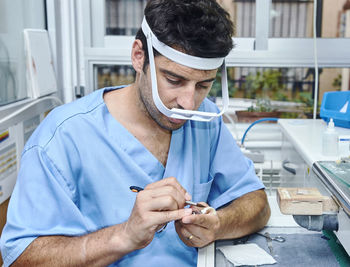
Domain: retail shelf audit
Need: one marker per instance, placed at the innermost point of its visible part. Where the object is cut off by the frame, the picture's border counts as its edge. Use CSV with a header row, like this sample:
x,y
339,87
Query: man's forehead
x,y
175,67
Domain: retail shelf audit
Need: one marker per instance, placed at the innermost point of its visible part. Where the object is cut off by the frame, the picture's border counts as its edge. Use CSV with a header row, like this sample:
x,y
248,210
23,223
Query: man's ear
x,y
137,56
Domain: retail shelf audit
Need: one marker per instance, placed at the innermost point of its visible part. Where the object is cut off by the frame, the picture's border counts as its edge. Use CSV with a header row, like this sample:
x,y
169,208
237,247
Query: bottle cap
x,y
331,124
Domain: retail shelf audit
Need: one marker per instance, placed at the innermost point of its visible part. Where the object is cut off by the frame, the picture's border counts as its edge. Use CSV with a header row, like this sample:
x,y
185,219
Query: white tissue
x,y
247,254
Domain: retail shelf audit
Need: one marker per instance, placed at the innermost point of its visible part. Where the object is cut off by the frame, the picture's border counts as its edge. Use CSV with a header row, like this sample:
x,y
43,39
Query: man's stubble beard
x,y
147,105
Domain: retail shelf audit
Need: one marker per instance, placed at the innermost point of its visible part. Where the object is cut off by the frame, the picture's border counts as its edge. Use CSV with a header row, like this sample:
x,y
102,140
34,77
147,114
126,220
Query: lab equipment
x,y
194,204
340,171
250,126
336,105
335,178
189,61
304,143
269,243
304,201
206,210
135,188
255,156
318,223
330,140
277,238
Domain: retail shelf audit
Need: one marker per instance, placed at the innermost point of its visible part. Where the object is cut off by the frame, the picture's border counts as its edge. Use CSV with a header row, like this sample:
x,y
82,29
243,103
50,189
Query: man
x,y
72,205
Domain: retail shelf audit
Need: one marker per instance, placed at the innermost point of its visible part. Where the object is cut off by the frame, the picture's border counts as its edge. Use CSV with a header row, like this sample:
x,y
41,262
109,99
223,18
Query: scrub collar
x,y
189,61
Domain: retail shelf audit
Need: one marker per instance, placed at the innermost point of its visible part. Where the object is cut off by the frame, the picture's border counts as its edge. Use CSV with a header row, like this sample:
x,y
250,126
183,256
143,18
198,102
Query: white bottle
x,y
330,140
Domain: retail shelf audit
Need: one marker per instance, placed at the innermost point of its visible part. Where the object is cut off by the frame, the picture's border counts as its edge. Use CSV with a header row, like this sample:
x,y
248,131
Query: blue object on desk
x,y
336,105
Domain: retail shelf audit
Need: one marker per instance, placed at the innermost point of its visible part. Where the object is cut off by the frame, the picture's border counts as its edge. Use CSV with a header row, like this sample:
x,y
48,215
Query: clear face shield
x,y
189,61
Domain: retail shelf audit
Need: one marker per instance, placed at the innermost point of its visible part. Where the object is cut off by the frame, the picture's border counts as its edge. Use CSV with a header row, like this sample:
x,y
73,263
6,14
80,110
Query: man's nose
x,y
186,97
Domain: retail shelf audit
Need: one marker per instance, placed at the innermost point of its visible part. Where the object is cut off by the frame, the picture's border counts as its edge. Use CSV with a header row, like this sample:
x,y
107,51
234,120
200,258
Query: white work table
x,y
278,224
306,137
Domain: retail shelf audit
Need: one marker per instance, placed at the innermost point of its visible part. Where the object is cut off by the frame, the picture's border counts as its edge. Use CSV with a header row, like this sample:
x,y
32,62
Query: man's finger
x,y
163,198
161,203
170,181
203,220
168,216
168,190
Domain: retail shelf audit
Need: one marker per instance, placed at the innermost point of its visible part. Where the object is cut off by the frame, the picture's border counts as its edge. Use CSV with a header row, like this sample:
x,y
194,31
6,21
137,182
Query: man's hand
x,y
156,205
198,230
245,215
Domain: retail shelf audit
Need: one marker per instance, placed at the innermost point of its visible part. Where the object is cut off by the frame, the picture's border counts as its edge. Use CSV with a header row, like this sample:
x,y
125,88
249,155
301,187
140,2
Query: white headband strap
x,y
179,57
189,61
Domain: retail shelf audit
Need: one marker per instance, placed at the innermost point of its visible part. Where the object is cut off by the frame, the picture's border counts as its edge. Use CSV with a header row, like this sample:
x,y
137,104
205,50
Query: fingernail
x,y
188,211
188,196
186,220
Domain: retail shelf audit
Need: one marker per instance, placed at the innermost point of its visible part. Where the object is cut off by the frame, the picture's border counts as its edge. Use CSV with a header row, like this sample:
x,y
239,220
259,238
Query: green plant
x,y
307,99
216,88
264,86
267,84
337,82
261,105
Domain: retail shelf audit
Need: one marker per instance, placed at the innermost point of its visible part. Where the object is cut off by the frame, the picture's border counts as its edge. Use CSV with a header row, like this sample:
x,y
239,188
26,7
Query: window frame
x,y
261,51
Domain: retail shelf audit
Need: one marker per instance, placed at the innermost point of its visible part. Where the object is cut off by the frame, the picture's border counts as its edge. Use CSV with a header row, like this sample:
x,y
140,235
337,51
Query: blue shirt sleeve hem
x,y
18,250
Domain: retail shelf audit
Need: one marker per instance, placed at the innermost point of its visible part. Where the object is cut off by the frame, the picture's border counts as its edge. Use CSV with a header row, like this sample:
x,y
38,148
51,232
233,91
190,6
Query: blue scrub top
x,y
77,167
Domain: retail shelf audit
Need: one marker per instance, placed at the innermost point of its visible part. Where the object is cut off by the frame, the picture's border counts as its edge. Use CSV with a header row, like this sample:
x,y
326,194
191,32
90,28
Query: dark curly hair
x,y
198,27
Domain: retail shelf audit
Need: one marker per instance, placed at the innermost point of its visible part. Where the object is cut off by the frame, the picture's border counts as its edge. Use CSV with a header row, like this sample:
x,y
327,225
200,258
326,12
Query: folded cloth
x,y
247,254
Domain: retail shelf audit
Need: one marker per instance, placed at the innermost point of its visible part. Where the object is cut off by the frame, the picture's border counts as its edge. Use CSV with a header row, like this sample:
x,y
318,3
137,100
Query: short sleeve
x,y
42,203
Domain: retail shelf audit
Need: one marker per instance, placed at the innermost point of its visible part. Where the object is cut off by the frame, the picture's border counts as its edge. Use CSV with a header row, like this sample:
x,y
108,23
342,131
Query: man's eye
x,y
175,82
202,86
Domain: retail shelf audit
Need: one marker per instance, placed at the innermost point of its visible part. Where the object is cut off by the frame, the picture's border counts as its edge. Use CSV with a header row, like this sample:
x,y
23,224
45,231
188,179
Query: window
x,y
123,17
291,19
273,38
113,75
15,15
243,15
287,90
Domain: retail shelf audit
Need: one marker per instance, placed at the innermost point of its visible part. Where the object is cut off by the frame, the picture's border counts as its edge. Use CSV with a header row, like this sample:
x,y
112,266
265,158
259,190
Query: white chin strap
x,y
189,61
